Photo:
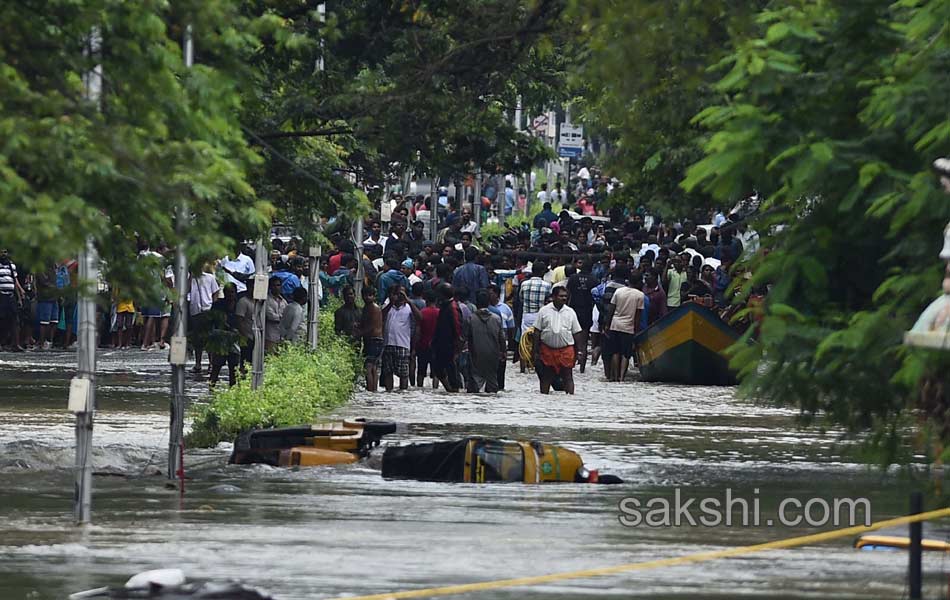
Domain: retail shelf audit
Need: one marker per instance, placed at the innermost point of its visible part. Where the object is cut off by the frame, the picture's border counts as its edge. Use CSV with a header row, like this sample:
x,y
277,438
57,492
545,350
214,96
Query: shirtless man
x,y
371,329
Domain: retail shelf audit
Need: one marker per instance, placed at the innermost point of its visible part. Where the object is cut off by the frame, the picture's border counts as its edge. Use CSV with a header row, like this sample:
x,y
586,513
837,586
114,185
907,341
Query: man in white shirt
x,y
627,304
375,236
468,225
555,342
398,317
718,219
203,289
543,194
292,321
242,266
559,195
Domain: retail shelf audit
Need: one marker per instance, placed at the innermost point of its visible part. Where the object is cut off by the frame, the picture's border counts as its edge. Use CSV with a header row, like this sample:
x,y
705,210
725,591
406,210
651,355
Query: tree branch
x,y
307,133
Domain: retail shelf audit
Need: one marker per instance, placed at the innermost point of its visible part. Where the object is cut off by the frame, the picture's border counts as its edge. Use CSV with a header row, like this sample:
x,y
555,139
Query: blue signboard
x,y
569,152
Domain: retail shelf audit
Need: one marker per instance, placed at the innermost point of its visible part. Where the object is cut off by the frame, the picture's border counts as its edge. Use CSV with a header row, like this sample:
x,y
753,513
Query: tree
x,y
425,84
114,169
642,79
834,111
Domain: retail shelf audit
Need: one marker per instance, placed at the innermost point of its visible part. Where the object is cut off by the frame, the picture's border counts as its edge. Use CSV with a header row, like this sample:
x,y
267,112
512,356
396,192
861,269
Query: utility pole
x,y
313,289
178,354
82,389
477,201
313,300
358,283
525,176
434,209
260,300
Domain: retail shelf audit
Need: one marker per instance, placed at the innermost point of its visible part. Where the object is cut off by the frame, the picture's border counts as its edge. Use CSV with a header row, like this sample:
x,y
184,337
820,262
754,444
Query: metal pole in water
x,y
82,389
914,569
82,393
313,300
178,354
260,298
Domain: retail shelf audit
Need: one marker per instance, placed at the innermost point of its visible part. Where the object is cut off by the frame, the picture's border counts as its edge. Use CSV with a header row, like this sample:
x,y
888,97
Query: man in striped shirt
x,y
10,294
533,293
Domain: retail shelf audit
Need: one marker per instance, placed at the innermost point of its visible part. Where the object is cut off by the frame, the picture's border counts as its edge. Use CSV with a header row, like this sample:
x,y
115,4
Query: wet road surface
x,y
324,533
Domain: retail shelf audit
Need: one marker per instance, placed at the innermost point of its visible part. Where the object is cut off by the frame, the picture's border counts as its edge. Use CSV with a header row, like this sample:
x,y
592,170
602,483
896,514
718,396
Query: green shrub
x,y
299,385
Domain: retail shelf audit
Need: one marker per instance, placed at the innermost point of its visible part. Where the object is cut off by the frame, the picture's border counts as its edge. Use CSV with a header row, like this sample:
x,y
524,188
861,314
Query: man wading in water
x,y
556,338
371,330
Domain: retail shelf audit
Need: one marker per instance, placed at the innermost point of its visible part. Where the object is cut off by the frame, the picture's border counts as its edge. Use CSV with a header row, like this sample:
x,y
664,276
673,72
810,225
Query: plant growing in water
x,y
299,384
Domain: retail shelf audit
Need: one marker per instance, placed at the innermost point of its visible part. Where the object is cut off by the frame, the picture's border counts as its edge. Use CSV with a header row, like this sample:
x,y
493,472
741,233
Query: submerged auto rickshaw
x,y
336,443
484,460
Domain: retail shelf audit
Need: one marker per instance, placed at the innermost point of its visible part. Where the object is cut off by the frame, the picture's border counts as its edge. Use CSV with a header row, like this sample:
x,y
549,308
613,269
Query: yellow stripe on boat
x,y
690,326
900,542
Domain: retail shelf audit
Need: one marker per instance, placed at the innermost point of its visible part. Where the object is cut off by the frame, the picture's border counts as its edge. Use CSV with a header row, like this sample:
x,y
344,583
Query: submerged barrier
x,y
698,557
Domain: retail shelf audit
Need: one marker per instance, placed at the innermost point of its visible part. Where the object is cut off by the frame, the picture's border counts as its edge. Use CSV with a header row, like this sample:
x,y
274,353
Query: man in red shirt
x,y
425,332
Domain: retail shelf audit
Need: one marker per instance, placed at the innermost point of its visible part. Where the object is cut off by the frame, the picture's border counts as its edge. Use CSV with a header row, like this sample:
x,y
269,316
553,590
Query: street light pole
x,y
84,386
358,283
178,353
313,298
434,209
477,201
82,390
260,300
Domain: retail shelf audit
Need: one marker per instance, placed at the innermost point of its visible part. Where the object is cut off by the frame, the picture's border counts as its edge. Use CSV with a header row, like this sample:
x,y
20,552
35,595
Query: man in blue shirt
x,y
289,280
390,277
509,198
496,306
544,217
472,276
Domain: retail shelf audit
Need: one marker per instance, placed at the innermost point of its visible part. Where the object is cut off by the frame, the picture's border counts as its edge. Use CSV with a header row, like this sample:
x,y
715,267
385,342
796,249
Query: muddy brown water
x,y
330,532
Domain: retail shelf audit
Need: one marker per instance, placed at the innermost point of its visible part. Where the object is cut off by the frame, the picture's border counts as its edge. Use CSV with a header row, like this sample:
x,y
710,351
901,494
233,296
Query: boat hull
x,y
687,346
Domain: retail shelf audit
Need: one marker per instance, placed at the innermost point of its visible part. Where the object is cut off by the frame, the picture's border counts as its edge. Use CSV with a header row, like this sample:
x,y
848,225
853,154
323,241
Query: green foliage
x,y
834,111
490,231
427,85
299,385
256,129
114,169
642,79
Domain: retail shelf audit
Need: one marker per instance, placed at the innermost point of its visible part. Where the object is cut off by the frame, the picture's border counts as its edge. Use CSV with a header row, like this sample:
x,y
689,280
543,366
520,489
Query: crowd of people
x,y
573,286
38,310
570,287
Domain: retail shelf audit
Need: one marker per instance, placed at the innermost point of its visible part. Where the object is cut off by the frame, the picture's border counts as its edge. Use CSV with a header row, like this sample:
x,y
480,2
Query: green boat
x,y
687,346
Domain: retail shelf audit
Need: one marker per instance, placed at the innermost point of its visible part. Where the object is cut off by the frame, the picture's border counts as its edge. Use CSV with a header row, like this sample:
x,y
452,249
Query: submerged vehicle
x,y
340,442
484,460
935,539
687,346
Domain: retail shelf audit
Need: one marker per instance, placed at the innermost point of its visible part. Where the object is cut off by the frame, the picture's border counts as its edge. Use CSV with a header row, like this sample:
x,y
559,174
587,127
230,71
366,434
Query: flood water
x,y
331,532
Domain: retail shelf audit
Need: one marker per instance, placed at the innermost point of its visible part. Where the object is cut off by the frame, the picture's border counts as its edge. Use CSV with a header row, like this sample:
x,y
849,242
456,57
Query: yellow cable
x,y
663,562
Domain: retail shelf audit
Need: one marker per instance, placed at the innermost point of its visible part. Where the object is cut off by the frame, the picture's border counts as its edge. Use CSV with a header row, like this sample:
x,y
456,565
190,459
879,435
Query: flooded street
x,y
325,533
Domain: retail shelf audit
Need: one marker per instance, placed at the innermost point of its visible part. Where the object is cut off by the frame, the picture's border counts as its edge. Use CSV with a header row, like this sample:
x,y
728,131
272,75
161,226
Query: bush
x,y
299,385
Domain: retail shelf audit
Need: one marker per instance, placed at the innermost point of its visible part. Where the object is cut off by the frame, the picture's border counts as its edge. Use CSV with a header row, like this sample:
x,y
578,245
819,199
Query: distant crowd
x,y
571,286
